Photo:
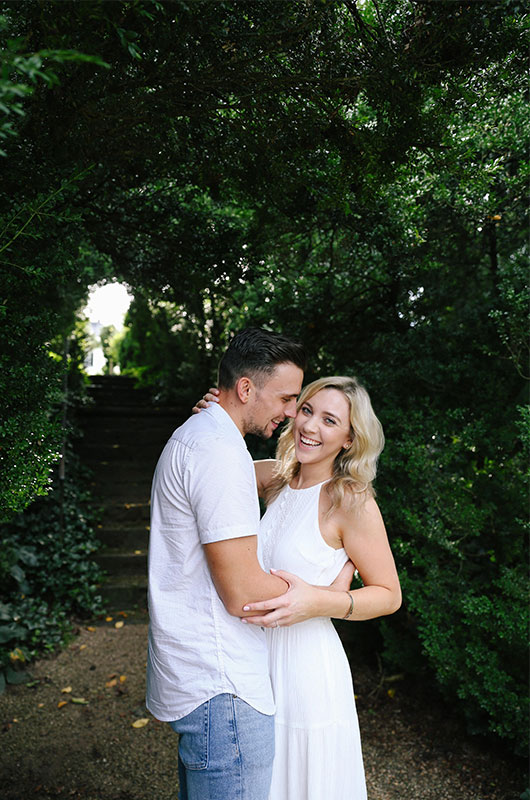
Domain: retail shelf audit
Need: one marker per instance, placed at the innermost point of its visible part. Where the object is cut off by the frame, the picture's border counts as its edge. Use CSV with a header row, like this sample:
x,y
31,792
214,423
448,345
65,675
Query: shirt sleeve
x,y
222,491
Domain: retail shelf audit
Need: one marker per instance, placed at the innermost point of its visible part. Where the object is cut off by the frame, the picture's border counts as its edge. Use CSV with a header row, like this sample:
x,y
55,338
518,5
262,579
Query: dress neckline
x,y
307,488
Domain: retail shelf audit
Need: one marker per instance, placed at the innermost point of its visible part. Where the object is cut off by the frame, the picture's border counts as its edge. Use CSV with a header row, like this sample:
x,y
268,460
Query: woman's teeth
x,y
309,442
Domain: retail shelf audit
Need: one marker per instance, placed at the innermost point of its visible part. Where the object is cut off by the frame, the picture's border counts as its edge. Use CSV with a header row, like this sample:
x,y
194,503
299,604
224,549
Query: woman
x,y
321,513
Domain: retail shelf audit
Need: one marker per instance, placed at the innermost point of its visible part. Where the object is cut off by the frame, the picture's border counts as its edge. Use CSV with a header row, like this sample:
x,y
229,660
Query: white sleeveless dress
x,y
318,745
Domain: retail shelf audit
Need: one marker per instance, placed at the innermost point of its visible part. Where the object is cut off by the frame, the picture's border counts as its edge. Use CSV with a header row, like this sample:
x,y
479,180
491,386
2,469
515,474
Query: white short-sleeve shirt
x,y
204,490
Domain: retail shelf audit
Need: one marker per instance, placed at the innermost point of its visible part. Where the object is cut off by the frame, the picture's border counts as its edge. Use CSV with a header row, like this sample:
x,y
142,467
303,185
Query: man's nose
x,y
290,409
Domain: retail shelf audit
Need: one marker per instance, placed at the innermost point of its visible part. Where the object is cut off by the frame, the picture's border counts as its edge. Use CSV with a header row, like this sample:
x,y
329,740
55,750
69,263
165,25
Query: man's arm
x,y
237,575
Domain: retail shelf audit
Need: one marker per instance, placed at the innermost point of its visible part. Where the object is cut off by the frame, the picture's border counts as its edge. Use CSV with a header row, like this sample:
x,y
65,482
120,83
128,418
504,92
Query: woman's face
x,y
322,427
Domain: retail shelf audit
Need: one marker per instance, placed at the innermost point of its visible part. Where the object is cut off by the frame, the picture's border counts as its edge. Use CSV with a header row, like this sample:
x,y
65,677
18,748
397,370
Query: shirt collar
x,y
224,420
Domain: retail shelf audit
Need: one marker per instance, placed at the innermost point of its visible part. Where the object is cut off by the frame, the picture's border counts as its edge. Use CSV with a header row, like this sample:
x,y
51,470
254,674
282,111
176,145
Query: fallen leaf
x,y
91,629
139,723
40,705
391,693
80,701
137,552
17,655
119,624
108,619
82,646
111,683
62,703
123,678
15,719
123,614
66,690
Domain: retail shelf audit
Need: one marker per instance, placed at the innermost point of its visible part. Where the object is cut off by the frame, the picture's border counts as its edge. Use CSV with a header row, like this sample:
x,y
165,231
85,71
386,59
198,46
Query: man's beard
x,y
257,430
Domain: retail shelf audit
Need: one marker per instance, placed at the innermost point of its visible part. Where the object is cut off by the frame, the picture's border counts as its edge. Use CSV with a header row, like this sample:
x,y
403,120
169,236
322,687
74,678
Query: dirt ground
x,y
71,734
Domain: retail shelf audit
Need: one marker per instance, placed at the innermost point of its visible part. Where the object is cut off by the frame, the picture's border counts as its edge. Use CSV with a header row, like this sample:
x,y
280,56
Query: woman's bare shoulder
x,y
358,511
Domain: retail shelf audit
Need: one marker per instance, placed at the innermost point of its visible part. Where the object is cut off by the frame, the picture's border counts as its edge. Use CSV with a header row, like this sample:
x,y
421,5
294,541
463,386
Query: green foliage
x,y
46,570
462,554
351,173
22,71
160,350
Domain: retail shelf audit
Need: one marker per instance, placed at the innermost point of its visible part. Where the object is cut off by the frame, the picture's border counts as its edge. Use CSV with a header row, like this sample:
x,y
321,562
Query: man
x,y
207,672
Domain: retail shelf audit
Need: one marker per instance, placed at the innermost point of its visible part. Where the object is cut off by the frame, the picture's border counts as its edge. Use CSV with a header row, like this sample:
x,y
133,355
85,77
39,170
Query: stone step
x,y
128,433
126,492
112,410
125,592
108,380
124,539
122,472
126,514
98,452
122,564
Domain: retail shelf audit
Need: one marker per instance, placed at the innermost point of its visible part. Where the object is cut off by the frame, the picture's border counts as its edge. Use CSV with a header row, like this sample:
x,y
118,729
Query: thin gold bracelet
x,y
350,610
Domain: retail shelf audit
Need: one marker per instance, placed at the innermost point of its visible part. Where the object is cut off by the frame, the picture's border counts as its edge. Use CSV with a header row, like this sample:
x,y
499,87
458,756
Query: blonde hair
x,y
354,467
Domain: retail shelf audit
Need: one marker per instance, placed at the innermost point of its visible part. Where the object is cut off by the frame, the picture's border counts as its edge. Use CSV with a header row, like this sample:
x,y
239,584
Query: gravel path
x,y
88,749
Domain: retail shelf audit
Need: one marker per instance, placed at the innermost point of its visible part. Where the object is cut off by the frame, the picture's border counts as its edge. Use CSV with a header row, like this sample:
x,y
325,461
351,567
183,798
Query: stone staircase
x,y
123,437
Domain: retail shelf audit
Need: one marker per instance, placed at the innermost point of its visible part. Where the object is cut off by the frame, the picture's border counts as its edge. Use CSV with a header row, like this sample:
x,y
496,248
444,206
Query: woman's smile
x,y
322,427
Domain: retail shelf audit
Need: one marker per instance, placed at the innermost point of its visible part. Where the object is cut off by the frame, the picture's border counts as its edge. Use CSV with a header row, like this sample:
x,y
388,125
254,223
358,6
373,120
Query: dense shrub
x,y
462,555
47,573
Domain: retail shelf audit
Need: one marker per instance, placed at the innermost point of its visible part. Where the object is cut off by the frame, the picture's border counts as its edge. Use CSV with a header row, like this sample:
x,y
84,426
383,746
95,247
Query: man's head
x,y
262,372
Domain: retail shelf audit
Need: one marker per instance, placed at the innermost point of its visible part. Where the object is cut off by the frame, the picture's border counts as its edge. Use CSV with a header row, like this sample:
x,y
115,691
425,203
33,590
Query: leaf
x,y
91,629
108,619
119,624
17,573
15,677
80,701
62,703
6,633
111,683
140,723
66,690
123,678
16,655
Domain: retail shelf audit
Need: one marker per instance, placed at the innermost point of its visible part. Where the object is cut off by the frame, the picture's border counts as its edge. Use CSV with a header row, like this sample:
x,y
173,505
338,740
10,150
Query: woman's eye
x,y
305,410
329,421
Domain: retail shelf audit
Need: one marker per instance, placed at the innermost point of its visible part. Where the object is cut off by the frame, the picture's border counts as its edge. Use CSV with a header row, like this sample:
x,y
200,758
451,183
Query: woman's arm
x,y
264,472
365,540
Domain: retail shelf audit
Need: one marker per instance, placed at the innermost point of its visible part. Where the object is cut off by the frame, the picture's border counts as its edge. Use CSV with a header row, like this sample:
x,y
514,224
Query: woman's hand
x,y
300,602
211,396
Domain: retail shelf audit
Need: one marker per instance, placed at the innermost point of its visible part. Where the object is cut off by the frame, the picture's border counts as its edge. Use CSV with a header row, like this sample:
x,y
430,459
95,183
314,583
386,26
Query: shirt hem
x,y
166,717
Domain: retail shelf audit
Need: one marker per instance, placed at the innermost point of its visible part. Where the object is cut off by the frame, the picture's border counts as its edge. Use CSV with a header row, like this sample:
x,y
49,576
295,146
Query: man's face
x,y
271,403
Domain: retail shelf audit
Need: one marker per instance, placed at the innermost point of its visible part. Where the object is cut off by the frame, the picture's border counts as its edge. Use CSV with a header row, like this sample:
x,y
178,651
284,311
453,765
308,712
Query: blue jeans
x,y
226,749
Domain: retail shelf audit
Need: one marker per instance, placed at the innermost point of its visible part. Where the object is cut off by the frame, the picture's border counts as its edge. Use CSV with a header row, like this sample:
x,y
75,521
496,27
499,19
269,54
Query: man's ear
x,y
244,389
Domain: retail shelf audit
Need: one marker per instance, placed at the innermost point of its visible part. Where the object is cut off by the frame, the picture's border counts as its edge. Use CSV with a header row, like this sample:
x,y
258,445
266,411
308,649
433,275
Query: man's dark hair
x,y
256,353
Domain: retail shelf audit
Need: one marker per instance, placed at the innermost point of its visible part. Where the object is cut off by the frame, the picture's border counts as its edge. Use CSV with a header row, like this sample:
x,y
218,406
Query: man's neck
x,y
233,407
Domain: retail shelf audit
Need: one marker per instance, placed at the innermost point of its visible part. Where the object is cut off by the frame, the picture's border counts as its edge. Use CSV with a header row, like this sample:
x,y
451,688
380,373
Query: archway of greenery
x,y
350,172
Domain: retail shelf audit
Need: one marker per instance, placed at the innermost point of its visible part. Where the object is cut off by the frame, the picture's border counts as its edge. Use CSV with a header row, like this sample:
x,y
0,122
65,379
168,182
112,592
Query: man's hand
x,y
300,602
211,396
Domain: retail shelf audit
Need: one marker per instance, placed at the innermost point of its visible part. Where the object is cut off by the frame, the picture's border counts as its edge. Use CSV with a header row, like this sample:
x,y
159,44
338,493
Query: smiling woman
x,y
321,520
